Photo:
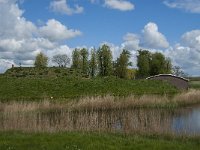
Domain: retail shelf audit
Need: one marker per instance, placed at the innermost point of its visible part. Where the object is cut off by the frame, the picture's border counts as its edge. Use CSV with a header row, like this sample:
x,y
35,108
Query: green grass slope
x,y
70,88
92,141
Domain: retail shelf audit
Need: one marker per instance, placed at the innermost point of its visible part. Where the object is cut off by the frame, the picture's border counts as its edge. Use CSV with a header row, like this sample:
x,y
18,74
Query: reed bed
x,y
127,121
109,114
107,102
111,102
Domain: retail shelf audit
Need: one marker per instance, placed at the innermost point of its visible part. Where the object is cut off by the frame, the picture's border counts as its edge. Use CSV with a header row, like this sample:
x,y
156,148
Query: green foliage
x,y
105,61
84,61
41,60
122,64
131,73
76,59
48,72
194,83
93,141
159,64
143,63
93,63
152,64
70,87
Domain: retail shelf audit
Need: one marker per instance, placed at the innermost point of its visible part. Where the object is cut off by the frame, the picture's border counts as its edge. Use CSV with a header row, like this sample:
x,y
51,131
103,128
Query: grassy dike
x,y
12,88
93,141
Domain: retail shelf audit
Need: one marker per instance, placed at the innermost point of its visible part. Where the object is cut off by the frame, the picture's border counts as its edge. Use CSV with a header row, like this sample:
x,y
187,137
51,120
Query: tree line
x,y
100,63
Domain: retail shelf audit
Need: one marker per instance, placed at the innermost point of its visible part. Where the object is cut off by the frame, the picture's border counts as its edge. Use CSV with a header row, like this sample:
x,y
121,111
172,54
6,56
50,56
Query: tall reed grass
x,y
107,113
111,102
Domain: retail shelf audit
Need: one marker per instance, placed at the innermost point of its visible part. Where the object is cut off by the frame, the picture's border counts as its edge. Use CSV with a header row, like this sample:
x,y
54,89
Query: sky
x,y
28,27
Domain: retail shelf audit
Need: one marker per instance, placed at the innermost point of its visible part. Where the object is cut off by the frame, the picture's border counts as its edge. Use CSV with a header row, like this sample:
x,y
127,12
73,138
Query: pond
x,y
178,121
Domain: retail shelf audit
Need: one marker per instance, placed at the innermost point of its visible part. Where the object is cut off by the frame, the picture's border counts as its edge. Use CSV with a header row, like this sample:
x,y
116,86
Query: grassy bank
x,y
91,141
12,88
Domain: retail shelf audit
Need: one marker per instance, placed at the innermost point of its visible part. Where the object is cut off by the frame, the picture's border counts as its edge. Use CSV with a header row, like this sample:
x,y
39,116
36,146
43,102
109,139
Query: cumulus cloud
x,y
152,38
149,37
21,40
61,6
12,24
56,31
187,53
131,41
122,5
192,39
192,6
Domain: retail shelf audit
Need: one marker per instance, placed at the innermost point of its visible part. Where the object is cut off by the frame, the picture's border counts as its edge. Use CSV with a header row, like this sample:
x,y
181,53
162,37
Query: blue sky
x,y
58,26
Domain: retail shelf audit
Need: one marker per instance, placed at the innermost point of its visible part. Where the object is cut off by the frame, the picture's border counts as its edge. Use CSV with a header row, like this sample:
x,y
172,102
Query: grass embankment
x,y
12,88
91,141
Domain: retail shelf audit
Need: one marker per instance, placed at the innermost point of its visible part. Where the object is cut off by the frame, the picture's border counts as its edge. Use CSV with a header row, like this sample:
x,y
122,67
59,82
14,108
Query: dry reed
x,y
95,114
111,102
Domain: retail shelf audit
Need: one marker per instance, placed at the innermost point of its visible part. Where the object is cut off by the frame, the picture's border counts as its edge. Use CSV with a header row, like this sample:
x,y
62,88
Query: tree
x,y
168,66
152,64
159,64
105,61
122,64
93,63
84,60
41,60
176,70
76,62
143,63
61,60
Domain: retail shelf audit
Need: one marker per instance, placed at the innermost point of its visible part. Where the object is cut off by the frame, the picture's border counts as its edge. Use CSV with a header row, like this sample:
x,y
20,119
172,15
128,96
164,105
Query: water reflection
x,y
188,121
178,121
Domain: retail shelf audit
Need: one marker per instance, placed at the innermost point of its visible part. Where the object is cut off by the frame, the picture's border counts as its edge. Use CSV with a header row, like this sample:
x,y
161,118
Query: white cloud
x,y
149,38
56,31
21,40
5,64
122,5
131,41
192,39
192,6
12,24
152,38
61,6
187,53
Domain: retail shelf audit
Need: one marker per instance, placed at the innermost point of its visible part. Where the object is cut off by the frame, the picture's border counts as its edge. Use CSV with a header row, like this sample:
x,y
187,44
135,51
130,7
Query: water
x,y
179,121
188,121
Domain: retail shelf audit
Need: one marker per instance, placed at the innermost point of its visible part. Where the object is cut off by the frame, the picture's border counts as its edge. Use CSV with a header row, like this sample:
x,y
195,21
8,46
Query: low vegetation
x,y
71,88
91,141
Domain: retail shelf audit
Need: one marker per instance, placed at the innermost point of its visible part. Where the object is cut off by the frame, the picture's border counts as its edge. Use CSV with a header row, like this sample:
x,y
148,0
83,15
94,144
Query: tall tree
x,y
143,63
152,63
41,60
84,60
168,66
105,61
122,64
61,60
93,63
76,61
159,64
100,62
